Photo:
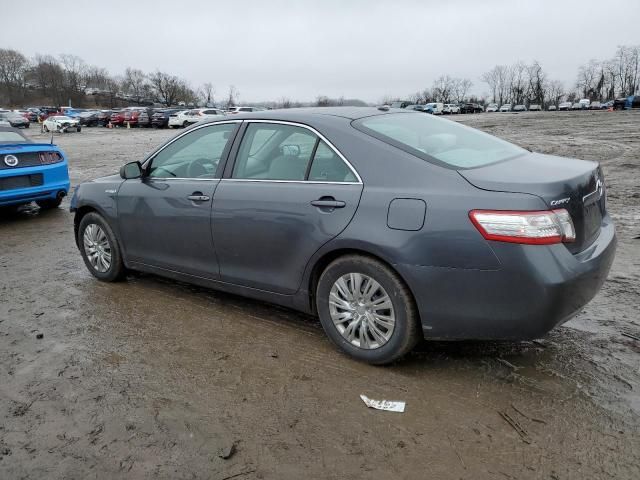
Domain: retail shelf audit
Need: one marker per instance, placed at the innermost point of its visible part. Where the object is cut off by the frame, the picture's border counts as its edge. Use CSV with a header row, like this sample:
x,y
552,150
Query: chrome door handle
x,y
199,198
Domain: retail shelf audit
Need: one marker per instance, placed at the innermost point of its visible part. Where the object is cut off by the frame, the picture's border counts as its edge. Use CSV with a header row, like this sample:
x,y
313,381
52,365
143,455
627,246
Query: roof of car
x,y
311,113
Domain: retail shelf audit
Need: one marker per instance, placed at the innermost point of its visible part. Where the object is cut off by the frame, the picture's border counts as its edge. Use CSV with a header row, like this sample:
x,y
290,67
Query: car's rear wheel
x,y
45,128
185,124
99,247
366,309
49,203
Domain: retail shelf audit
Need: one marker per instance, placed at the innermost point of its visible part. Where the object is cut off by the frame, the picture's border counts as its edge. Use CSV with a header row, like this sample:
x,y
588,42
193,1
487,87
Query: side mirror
x,y
131,170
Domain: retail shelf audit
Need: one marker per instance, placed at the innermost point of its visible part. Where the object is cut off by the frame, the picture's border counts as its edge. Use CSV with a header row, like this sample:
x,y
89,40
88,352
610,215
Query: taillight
x,y
535,228
47,158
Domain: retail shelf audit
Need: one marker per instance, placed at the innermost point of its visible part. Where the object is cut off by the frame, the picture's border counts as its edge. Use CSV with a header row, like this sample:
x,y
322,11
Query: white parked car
x,y
492,107
451,108
243,109
189,117
60,123
535,108
584,103
436,108
506,107
178,119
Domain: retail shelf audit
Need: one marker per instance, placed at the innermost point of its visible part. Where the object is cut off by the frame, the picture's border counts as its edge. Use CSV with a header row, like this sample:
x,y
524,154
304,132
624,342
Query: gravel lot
x,y
151,378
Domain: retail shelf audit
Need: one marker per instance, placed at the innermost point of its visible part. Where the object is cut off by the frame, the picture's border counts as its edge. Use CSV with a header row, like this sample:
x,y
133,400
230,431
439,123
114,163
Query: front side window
x,y
439,141
194,155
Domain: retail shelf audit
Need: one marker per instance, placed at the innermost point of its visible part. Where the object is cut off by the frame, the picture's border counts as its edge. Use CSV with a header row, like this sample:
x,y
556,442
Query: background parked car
x,y
401,104
88,118
418,108
14,119
28,114
178,119
552,108
535,108
117,118
436,108
505,107
144,118
451,108
576,106
61,123
492,107
584,103
104,116
160,118
564,106
247,109
595,106
519,108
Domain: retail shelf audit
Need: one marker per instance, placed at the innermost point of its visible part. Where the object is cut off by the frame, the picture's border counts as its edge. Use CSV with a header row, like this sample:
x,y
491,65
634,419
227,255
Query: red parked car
x,y
117,118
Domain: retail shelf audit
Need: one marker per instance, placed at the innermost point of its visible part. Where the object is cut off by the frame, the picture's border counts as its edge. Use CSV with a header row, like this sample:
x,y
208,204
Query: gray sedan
x,y
388,225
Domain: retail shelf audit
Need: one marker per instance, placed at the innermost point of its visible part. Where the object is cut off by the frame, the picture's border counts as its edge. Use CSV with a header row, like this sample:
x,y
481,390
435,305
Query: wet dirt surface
x,y
150,378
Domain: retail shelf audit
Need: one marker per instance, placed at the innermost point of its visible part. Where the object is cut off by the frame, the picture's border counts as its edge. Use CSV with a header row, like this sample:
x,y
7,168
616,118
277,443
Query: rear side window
x,y
440,141
287,152
327,166
274,152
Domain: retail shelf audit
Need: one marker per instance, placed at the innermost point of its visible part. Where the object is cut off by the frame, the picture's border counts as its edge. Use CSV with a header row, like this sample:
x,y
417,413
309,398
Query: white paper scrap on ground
x,y
387,405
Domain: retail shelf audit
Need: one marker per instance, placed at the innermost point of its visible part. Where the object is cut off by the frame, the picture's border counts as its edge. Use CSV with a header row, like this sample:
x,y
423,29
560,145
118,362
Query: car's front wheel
x,y
367,310
99,247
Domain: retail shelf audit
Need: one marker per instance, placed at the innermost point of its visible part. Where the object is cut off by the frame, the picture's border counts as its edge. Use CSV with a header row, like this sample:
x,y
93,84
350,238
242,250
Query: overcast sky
x,y
300,49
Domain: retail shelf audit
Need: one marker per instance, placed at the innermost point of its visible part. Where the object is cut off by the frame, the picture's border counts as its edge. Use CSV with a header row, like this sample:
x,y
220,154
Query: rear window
x,y
436,140
12,137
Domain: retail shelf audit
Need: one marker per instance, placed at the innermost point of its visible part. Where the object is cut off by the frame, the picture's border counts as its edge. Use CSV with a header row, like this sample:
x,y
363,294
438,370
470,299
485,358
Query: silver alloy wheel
x,y
97,247
361,311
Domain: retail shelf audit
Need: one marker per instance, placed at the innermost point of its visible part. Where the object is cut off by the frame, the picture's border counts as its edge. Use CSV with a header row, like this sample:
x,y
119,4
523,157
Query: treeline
x,y
67,78
523,83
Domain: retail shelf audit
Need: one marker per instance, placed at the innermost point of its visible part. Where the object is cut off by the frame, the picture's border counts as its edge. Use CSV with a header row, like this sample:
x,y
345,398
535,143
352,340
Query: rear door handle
x,y
328,203
198,197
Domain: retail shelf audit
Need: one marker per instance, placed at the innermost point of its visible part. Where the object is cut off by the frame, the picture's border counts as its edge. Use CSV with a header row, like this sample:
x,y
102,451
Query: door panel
x,y
266,231
161,226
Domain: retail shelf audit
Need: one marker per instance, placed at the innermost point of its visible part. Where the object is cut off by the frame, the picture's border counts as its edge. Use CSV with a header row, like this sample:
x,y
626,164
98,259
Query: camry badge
x,y
11,160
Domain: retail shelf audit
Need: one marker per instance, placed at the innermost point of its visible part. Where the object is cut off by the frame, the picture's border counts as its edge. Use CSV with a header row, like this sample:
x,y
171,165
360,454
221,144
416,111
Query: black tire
x,y
45,129
49,203
185,124
406,332
116,270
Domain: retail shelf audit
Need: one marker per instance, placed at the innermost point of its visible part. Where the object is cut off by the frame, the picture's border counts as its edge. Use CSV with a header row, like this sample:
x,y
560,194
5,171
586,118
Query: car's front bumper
x,y
55,181
536,288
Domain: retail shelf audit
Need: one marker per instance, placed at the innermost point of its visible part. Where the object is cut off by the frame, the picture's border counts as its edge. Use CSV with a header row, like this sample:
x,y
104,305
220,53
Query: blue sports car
x,y
31,171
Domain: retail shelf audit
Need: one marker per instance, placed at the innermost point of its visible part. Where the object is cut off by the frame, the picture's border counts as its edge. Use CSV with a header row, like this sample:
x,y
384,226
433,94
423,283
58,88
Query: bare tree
x,y
13,67
207,92
461,87
588,77
232,96
49,76
555,92
134,83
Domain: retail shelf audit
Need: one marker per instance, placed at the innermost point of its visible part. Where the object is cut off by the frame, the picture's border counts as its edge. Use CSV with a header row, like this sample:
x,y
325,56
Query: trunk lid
x,y
576,185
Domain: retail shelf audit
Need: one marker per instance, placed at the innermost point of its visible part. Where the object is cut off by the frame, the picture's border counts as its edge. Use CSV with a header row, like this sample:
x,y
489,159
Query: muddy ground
x,y
151,378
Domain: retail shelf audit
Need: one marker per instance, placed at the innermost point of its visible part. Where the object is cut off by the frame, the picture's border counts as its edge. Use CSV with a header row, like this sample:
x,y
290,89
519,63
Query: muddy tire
x,y
49,203
100,249
367,310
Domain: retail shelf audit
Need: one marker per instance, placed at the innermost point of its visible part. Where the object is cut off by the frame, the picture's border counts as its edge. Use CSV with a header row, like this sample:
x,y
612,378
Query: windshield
x,y
437,140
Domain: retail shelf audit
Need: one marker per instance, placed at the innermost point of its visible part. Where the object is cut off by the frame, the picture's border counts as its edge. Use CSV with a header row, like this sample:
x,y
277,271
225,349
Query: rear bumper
x,y
55,180
536,288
